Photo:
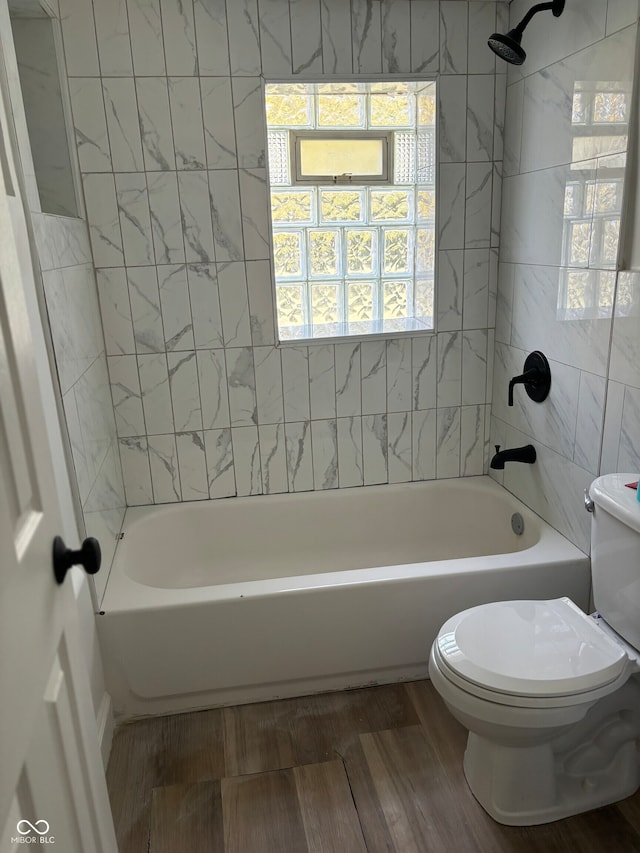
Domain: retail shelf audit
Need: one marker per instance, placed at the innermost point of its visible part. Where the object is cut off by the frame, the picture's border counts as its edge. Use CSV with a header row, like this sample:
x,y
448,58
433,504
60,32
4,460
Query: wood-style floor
x,y
378,769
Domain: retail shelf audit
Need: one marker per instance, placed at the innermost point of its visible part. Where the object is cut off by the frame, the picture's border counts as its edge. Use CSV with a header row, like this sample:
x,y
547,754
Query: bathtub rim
x,y
124,594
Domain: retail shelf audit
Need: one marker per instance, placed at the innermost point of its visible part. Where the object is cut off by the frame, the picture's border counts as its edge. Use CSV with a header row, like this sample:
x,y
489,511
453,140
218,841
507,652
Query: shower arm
x,y
540,7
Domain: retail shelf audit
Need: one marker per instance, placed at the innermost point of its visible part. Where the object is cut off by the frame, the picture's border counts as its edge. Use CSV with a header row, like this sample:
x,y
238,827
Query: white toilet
x,y
549,695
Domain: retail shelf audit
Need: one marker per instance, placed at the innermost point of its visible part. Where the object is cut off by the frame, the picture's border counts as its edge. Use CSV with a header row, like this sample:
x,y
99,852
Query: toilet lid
x,y
530,648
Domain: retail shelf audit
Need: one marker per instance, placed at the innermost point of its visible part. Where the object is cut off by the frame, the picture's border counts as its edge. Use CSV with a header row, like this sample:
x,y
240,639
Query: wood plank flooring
x,y
361,771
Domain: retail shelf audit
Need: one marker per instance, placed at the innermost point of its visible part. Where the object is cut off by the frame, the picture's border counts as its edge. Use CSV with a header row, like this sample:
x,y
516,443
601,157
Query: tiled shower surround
x,y
589,423
72,303
167,105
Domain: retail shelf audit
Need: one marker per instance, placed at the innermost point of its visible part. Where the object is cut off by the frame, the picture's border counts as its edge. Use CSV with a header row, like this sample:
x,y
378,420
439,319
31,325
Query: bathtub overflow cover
x,y
517,524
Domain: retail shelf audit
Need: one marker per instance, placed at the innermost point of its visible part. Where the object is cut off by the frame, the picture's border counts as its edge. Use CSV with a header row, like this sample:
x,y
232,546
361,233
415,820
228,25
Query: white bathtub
x,y
230,601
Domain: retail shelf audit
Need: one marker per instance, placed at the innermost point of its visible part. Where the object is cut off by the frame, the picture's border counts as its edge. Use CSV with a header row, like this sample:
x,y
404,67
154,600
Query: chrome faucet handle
x,y
588,501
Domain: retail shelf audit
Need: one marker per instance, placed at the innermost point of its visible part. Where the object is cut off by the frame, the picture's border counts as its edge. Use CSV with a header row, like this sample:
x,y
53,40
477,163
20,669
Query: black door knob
x,y
89,557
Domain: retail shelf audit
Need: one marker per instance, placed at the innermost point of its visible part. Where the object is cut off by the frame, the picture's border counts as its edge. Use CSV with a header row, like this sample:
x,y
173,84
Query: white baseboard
x,y
106,725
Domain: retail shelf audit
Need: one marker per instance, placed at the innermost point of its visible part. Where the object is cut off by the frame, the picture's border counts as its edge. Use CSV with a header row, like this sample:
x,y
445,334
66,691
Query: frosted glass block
x,y
423,299
287,254
290,304
397,251
426,203
391,205
360,300
362,248
368,327
571,200
427,107
580,243
610,241
610,107
293,333
602,197
579,110
396,300
327,330
425,250
390,110
606,290
324,253
404,157
426,168
578,289
397,325
608,196
341,110
296,207
341,206
624,294
278,144
288,105
325,303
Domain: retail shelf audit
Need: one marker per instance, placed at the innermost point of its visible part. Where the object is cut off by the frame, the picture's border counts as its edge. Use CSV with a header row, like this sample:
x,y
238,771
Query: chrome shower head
x,y
508,46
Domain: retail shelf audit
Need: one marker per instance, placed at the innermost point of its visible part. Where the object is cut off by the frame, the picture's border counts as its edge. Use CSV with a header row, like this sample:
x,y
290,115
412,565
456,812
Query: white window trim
x,y
384,178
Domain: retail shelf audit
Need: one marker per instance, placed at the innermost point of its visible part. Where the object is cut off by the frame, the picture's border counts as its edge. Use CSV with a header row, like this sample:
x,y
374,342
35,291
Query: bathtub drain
x,y
517,524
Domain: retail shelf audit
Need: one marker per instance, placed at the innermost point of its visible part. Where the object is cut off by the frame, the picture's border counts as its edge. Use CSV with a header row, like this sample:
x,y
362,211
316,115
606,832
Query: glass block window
x,y
592,210
354,253
593,198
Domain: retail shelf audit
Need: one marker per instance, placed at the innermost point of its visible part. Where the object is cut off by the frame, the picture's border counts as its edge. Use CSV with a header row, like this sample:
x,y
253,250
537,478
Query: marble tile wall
x,y
592,43
74,317
621,438
70,290
167,106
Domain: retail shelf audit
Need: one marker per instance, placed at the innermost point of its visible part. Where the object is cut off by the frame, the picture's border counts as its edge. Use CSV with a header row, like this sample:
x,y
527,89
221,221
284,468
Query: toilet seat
x,y
530,654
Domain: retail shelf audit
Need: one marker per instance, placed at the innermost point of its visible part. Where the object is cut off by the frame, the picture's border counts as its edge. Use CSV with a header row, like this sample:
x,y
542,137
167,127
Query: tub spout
x,y
516,454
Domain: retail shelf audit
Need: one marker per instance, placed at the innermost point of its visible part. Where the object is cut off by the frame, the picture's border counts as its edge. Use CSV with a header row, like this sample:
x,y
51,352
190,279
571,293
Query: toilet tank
x,y
615,554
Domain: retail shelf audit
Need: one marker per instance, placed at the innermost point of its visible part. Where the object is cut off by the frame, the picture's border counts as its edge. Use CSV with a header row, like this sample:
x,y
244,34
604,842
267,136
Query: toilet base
x,y
528,765
526,786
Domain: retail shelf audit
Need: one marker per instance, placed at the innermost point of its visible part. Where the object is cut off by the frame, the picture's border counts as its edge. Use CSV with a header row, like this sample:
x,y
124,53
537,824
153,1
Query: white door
x,y
52,785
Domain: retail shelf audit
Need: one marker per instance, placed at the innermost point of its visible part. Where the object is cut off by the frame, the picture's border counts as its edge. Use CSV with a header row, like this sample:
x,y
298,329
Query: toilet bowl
x,y
552,706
